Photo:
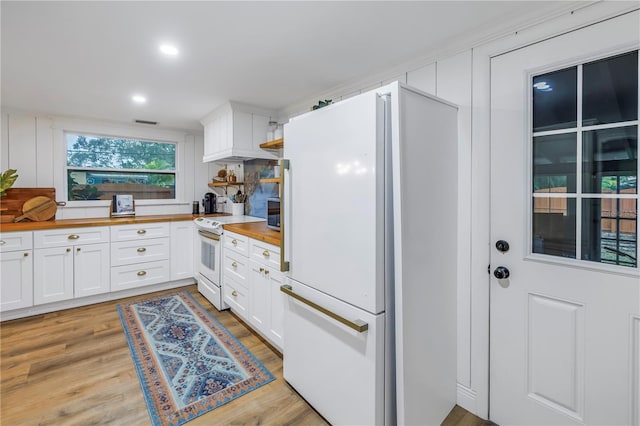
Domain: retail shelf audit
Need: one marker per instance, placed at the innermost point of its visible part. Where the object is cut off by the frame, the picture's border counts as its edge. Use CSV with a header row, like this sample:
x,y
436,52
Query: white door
x,y
565,324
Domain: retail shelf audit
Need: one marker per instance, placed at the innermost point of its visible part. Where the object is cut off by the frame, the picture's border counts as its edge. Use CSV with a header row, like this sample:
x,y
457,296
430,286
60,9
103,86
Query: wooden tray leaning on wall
x,y
14,198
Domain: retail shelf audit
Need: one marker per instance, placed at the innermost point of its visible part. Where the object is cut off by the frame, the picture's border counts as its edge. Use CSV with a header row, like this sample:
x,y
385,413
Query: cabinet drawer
x,y
236,297
236,242
236,268
265,253
70,236
11,241
140,275
130,252
140,232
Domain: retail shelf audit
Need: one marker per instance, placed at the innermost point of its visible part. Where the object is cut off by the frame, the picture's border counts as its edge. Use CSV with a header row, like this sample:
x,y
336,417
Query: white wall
x,y
34,145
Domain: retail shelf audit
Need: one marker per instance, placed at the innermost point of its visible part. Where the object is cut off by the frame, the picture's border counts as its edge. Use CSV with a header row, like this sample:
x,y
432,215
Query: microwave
x,y
273,213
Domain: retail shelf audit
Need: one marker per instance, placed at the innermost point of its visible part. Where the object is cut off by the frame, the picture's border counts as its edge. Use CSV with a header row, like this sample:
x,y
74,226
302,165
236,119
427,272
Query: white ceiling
x,y
86,59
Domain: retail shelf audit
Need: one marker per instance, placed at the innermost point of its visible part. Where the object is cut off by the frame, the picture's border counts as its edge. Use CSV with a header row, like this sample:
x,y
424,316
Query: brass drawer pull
x,y
68,250
73,237
266,272
142,250
261,269
78,249
265,253
234,264
26,255
234,242
142,273
234,293
142,231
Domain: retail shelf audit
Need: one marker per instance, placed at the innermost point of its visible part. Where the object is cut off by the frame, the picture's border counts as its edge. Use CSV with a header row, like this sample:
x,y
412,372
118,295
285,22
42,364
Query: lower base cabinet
x,y
62,273
266,302
16,280
258,300
139,275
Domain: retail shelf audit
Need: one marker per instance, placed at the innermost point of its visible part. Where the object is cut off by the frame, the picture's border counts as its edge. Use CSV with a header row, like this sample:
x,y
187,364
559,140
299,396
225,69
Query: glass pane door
x,y
585,161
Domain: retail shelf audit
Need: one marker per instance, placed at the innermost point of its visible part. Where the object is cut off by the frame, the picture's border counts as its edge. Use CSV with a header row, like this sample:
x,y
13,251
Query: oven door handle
x,y
209,235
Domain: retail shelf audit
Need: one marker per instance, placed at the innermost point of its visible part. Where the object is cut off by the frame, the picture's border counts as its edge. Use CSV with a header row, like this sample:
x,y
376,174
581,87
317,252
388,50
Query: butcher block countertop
x,y
257,230
97,221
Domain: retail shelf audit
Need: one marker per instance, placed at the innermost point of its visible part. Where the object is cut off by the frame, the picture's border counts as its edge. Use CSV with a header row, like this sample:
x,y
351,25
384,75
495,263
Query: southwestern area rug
x,y
187,362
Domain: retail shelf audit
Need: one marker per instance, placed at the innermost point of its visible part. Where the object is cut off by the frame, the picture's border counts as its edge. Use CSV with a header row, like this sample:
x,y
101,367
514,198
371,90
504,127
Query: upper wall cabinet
x,y
234,132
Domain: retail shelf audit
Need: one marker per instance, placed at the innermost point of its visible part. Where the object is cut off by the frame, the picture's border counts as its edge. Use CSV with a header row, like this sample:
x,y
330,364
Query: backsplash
x,y
257,193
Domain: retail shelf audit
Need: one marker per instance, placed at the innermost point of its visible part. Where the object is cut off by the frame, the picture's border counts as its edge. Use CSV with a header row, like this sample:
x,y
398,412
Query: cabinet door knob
x,y
73,237
26,255
78,249
68,249
142,231
265,253
266,272
234,293
261,269
234,264
142,250
234,242
142,273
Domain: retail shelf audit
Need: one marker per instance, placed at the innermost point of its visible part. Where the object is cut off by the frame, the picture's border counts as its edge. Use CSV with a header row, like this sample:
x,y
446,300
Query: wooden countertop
x,y
257,230
98,221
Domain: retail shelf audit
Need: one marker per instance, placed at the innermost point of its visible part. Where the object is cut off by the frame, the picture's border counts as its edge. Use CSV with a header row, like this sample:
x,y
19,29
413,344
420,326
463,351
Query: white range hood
x,y
234,132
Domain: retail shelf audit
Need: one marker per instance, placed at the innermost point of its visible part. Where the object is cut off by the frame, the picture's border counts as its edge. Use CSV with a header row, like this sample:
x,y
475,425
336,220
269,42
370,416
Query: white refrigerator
x,y
369,233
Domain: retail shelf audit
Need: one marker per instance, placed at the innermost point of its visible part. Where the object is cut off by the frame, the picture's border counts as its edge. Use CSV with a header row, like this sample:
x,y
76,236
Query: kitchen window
x,y
99,167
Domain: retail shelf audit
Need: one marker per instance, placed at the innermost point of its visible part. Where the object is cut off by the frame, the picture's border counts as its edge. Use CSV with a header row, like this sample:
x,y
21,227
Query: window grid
x,y
620,257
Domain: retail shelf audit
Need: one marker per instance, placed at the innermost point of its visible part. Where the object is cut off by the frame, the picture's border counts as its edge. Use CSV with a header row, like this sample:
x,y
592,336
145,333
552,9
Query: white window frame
x,y
63,127
578,196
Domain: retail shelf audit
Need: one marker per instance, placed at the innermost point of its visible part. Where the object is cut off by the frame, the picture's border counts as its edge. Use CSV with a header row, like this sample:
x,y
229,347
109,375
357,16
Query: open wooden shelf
x,y
271,180
274,144
224,184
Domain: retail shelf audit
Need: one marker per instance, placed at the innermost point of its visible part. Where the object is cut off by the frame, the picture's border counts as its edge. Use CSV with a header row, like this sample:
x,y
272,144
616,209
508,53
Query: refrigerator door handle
x,y
358,325
284,167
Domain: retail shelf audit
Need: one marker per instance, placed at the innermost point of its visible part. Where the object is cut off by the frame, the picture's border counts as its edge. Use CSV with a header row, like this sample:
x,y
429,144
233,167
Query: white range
x,y
209,252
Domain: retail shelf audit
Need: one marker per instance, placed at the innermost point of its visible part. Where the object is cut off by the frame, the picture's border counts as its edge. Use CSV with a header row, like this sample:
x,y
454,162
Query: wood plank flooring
x,y
74,367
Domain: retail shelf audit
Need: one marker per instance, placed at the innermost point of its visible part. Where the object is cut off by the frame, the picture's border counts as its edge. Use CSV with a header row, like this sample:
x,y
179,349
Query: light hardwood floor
x,y
74,367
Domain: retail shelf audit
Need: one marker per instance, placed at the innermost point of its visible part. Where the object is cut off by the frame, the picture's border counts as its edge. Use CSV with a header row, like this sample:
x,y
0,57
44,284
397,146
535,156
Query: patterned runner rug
x,y
187,362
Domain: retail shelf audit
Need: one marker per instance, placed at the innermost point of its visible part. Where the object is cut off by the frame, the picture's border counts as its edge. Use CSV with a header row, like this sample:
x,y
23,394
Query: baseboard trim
x,y
467,398
89,300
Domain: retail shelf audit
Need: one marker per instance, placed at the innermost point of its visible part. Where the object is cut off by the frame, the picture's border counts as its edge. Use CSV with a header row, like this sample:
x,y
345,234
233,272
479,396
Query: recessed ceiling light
x,y
169,49
139,99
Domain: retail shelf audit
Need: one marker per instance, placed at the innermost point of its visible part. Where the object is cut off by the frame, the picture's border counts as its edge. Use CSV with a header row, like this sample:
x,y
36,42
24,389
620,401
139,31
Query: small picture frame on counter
x,y
122,205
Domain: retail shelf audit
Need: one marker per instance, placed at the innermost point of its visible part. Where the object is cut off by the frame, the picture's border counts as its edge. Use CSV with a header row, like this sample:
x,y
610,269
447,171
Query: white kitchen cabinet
x,y
251,284
70,263
260,300
276,314
16,270
91,269
141,255
182,236
266,302
234,132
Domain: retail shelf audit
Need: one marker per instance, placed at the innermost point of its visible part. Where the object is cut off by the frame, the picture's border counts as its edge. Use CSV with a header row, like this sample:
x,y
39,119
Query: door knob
x,y
502,246
501,273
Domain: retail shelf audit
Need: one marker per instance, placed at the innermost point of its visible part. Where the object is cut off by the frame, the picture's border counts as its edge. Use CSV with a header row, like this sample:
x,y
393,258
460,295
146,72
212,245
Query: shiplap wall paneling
x,y
424,78
454,84
4,143
22,149
44,152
